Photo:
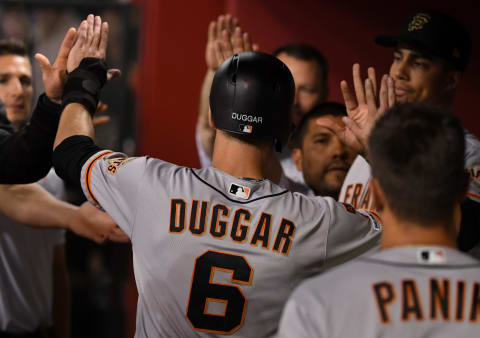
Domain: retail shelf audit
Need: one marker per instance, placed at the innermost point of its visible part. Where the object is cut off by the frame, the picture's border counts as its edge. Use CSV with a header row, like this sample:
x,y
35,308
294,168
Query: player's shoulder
x,y
328,286
472,145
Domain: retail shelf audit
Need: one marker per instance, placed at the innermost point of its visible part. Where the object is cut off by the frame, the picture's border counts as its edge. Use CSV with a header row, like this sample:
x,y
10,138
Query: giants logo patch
x,y
239,191
114,163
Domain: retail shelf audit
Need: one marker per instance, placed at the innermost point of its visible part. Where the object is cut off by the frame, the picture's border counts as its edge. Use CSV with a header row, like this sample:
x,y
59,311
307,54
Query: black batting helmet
x,y
252,94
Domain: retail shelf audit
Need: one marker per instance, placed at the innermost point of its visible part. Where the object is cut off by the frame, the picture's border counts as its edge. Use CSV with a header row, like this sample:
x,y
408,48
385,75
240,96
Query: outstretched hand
x,y
233,43
92,39
362,109
215,29
92,223
54,76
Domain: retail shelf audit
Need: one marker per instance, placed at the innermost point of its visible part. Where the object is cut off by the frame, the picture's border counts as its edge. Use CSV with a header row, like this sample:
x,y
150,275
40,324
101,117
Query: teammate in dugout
x,y
319,153
216,250
418,285
431,52
310,71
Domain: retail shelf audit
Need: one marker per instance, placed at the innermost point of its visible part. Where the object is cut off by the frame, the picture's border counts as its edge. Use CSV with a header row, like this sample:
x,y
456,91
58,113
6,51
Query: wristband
x,y
84,84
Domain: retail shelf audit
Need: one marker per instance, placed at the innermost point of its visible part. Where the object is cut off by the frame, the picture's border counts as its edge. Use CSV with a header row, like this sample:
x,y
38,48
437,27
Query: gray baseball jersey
x,y
401,292
356,188
214,254
26,264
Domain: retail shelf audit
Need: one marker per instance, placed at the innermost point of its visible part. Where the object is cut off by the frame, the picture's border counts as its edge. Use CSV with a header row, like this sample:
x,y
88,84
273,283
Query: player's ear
x,y
296,156
452,80
378,195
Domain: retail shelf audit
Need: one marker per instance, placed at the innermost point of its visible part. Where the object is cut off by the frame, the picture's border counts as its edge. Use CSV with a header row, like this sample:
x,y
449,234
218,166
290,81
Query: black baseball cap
x,y
435,33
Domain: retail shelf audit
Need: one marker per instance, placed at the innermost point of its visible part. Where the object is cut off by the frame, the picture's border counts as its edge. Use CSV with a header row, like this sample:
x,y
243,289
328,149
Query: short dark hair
x,y
417,156
13,46
320,110
306,52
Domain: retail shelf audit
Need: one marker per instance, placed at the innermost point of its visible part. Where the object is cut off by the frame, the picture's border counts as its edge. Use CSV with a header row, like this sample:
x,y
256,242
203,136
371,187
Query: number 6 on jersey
x,y
203,290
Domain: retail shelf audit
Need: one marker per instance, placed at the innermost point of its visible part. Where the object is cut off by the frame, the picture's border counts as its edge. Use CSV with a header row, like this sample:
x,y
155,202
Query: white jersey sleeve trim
x,y
87,175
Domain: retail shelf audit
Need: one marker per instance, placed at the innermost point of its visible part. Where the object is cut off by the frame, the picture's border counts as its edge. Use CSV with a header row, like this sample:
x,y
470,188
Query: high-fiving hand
x,y
92,41
363,110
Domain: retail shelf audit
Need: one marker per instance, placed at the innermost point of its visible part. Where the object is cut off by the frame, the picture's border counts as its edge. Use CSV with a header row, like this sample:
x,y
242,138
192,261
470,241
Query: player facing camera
x,y
251,97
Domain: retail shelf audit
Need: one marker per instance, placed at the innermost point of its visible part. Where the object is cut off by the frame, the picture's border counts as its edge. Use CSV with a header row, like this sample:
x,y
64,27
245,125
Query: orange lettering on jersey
x,y
385,296
460,301
475,308
347,193
439,299
239,231
218,228
177,215
411,302
284,237
198,228
357,192
366,199
262,231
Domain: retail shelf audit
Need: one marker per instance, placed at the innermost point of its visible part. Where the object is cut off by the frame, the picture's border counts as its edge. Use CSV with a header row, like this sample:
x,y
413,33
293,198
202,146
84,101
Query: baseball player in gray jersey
x,y
218,250
431,53
418,285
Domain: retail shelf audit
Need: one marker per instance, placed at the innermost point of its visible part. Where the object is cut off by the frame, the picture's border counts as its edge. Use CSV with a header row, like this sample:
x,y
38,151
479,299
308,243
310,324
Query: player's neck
x,y
398,232
239,159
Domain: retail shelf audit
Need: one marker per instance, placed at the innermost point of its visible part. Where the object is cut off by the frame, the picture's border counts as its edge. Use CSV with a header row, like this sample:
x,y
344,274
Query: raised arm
x,y
227,29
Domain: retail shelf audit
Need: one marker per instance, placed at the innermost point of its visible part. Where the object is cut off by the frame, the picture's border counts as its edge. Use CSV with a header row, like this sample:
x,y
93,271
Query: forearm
x,y
61,295
28,151
75,120
205,131
33,205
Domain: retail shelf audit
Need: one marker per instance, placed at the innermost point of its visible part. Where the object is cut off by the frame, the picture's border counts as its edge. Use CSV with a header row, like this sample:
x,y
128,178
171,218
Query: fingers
x,y
82,34
383,95
90,23
391,92
370,97
255,47
219,52
103,41
226,45
65,47
247,42
43,62
117,235
113,73
212,27
358,84
373,79
220,24
237,41
97,25
348,98
99,120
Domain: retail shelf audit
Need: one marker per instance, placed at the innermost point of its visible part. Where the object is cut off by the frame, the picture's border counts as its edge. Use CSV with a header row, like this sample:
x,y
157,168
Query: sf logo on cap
x,y
418,22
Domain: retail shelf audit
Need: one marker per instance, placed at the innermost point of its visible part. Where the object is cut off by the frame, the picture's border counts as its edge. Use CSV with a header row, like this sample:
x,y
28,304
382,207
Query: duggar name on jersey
x,y
221,216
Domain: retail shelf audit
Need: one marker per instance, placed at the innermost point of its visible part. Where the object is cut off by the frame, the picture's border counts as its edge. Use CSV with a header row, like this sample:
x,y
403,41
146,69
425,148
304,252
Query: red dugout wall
x,y
174,35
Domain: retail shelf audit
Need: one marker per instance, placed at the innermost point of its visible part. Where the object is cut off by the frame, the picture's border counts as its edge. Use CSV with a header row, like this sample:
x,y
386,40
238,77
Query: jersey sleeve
x,y
302,317
111,181
351,233
472,165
